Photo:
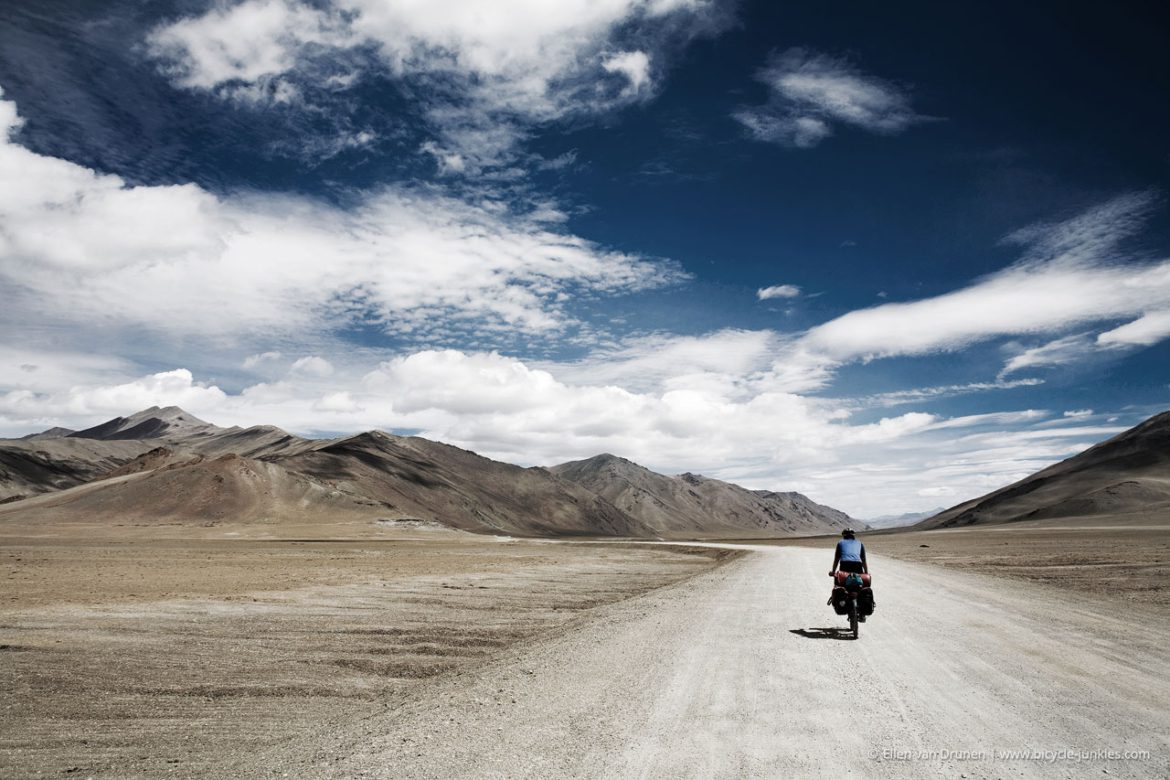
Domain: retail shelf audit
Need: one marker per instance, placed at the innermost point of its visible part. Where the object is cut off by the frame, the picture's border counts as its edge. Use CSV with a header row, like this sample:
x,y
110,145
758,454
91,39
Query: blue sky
x,y
890,258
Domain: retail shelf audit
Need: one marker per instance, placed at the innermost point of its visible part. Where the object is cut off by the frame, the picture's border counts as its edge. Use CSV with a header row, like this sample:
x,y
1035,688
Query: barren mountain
x,y
199,491
167,467
34,465
152,423
415,477
689,505
186,471
58,458
1126,475
52,433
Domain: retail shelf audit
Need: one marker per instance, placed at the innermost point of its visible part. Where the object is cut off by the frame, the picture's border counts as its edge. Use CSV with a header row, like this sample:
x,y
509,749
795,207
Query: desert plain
x,y
417,651
124,657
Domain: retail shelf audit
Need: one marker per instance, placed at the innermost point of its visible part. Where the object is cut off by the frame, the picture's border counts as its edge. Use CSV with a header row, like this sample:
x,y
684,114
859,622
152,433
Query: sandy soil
x,y
739,673
1124,558
183,658
437,654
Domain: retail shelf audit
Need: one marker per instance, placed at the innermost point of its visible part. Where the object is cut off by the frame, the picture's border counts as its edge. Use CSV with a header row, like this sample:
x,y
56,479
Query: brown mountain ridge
x,y
165,466
1127,476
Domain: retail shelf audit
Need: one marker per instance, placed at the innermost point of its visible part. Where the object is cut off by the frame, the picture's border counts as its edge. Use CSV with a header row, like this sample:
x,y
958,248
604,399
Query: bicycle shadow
x,y
822,633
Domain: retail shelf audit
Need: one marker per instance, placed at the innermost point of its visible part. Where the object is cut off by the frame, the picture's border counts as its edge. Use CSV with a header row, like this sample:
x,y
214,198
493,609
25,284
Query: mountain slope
x,y
51,433
152,423
690,505
1127,474
418,478
199,492
58,459
32,465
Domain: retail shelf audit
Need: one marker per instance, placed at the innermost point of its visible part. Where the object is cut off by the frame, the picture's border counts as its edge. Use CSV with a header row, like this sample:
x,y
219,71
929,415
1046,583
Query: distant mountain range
x,y
167,466
1126,476
900,521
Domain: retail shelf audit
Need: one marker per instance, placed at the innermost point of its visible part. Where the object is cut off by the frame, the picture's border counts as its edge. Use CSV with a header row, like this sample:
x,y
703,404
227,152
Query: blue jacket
x,y
850,550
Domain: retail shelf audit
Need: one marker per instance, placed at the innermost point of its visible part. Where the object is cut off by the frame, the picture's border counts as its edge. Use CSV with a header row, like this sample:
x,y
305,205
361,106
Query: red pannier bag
x,y
841,575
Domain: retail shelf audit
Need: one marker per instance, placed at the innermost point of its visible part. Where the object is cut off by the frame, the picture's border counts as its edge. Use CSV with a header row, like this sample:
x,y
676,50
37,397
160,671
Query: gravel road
x,y
731,674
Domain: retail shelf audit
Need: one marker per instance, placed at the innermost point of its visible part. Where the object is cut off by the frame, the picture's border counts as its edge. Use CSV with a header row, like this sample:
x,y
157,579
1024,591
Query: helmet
x,y
847,533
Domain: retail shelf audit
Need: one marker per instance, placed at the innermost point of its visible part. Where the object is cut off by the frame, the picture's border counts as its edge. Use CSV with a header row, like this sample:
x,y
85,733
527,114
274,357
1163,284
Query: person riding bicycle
x,y
850,555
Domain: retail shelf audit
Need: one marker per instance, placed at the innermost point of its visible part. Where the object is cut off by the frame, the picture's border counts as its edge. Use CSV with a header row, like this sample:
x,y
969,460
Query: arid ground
x,y
185,656
416,652
1121,558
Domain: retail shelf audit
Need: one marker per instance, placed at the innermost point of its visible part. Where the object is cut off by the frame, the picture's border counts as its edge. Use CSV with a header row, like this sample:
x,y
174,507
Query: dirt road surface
x,y
733,674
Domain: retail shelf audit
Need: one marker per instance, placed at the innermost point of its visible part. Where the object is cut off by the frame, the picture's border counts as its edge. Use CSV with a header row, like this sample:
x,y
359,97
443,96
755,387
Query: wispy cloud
x,y
940,392
1073,274
481,75
810,94
722,359
1148,329
87,254
778,291
85,249
1058,352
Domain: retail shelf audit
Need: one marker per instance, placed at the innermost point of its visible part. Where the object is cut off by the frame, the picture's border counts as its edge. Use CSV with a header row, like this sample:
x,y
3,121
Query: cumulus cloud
x,y
810,93
778,291
484,72
82,247
339,402
508,409
182,265
312,365
167,388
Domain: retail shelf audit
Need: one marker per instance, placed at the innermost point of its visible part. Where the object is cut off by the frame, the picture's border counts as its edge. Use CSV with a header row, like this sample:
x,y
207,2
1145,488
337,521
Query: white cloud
x,y
809,93
507,409
1078,414
312,365
1058,352
723,358
1146,330
634,65
86,248
935,492
263,357
778,291
938,392
167,388
180,265
246,42
992,418
802,132
1073,274
448,162
484,72
341,402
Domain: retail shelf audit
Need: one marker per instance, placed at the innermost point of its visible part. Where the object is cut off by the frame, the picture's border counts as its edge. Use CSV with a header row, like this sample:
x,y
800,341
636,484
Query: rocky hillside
x,y
1126,475
689,505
